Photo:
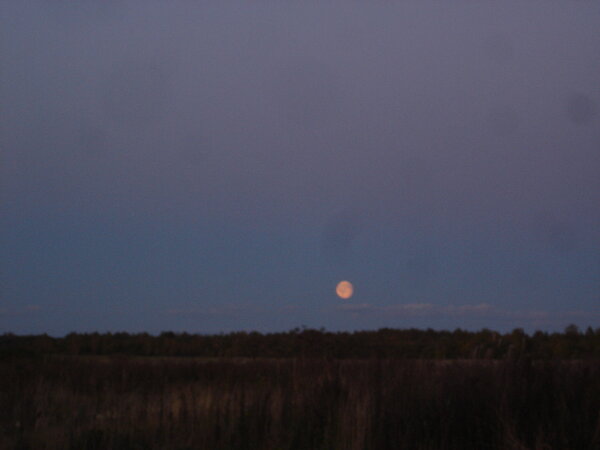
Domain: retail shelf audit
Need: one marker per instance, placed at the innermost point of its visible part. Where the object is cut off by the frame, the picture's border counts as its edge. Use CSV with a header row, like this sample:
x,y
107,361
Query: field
x,y
126,402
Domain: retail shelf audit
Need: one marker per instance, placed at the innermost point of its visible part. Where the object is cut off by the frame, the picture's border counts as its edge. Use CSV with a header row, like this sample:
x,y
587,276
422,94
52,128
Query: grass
x,y
57,402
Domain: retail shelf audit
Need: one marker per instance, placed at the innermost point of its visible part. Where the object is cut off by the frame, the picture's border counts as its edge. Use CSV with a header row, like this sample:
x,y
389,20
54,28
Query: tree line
x,y
313,343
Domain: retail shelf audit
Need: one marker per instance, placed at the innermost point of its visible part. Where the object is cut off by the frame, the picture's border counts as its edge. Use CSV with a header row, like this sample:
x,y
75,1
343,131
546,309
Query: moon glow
x,y
344,289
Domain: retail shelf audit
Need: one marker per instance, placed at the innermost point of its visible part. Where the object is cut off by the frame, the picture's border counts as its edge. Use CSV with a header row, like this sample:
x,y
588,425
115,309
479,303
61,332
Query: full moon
x,y
344,289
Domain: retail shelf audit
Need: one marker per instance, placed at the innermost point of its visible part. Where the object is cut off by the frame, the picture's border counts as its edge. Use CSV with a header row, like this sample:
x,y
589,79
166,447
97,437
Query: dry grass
x,y
162,403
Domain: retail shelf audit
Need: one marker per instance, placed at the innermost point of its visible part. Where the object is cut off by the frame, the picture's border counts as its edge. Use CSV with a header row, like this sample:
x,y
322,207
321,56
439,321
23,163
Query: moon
x,y
344,289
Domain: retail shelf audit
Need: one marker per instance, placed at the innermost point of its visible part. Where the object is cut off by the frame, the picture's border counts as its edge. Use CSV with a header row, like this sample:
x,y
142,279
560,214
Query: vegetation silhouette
x,y
385,389
310,343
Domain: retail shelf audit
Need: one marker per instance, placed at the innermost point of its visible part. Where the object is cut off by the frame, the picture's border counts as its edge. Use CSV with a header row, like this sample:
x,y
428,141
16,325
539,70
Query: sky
x,y
220,166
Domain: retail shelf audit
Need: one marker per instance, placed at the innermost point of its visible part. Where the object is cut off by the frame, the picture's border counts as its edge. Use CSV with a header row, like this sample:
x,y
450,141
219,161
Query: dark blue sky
x,y
221,166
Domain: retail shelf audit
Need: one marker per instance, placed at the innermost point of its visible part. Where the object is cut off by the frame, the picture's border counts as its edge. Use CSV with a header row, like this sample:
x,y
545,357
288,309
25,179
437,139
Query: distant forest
x,y
312,343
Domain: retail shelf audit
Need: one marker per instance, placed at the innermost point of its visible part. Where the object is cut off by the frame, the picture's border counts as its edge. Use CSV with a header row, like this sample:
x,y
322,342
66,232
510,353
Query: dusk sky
x,y
219,166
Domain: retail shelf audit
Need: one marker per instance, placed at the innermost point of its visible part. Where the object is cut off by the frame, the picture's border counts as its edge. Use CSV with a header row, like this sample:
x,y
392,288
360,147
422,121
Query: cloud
x,y
419,309
467,310
400,309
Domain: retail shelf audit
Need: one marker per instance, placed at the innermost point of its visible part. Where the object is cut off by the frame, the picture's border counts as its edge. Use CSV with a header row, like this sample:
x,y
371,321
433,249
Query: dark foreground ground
x,y
112,402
